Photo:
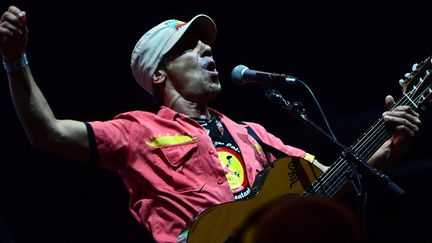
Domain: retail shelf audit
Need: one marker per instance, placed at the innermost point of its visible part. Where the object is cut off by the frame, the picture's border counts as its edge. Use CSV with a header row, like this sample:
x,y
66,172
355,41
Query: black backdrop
x,y
350,53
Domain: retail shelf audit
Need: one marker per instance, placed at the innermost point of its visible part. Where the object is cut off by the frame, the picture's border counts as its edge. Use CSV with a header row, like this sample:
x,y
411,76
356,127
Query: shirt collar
x,y
171,114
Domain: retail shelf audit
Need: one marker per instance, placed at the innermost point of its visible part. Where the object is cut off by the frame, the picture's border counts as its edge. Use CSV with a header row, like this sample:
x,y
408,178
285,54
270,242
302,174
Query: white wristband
x,y
19,64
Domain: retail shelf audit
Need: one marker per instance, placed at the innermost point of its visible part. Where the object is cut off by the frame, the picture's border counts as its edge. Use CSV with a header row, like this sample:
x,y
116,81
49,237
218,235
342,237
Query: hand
x,y
13,34
407,123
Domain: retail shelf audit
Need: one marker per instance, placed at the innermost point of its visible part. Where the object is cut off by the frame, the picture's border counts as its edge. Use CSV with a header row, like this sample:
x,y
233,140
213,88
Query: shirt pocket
x,y
185,170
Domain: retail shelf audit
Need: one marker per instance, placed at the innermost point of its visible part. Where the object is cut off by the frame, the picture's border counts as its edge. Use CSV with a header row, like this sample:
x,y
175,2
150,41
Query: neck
x,y
191,109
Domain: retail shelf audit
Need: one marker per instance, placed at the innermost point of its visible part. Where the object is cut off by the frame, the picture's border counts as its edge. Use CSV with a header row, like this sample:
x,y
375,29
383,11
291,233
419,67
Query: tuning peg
x,y
402,82
414,67
407,75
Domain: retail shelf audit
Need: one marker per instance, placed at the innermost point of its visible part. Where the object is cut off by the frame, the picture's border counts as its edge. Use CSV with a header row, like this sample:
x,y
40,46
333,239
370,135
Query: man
x,y
185,158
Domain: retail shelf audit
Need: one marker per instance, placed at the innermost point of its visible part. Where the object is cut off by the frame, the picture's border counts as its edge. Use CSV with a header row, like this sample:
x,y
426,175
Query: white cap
x,y
156,42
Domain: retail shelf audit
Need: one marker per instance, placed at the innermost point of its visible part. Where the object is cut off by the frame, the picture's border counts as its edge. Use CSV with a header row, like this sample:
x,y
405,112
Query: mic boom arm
x,y
297,110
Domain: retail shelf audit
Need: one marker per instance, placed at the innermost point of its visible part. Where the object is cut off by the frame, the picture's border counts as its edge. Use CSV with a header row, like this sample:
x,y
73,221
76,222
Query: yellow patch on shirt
x,y
163,140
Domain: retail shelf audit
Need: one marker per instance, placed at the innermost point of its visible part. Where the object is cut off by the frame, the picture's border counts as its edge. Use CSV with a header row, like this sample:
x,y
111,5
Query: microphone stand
x,y
297,110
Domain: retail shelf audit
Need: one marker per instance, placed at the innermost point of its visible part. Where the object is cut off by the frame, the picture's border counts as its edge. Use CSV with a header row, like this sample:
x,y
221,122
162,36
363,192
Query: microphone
x,y
242,75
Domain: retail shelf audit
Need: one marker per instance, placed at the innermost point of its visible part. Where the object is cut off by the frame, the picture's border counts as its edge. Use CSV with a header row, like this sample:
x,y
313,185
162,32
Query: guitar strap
x,y
267,148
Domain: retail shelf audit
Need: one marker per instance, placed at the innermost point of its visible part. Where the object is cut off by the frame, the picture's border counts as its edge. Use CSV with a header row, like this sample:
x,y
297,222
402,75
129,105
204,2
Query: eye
x,y
182,47
173,54
190,44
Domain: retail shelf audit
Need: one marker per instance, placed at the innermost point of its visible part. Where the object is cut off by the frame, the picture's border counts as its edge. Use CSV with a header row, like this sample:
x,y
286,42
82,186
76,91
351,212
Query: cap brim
x,y
200,27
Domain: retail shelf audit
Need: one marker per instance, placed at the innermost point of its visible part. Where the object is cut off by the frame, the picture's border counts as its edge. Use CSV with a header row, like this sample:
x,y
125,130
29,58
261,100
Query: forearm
x,y
31,106
66,137
384,156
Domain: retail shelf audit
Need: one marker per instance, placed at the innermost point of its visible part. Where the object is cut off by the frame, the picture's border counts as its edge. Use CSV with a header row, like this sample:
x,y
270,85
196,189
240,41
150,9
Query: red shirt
x,y
170,167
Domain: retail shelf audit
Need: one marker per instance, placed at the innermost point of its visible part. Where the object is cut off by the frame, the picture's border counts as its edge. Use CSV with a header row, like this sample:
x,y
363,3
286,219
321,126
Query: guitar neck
x,y
330,182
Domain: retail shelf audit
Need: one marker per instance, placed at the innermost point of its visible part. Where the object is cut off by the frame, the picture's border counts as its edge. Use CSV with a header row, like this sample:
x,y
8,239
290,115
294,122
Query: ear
x,y
159,76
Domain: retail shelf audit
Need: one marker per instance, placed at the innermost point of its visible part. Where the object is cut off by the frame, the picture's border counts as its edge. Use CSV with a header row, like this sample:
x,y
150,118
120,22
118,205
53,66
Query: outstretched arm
x,y
43,129
407,123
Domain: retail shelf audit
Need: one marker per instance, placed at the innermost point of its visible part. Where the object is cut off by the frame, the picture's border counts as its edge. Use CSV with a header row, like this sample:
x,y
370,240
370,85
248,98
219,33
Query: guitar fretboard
x,y
330,182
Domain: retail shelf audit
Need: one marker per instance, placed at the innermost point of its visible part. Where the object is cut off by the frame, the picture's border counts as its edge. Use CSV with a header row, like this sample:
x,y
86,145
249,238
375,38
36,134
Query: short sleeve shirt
x,y
170,167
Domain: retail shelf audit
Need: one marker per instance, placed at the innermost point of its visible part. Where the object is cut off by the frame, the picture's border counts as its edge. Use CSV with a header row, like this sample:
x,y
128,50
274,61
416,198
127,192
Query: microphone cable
x,y
319,108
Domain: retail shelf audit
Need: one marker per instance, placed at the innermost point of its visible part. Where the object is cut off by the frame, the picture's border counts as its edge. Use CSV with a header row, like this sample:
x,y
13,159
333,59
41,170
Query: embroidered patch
x,y
176,24
169,140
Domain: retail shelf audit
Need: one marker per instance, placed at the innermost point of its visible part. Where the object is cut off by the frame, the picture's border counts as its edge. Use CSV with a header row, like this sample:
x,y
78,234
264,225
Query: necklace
x,y
219,124
212,126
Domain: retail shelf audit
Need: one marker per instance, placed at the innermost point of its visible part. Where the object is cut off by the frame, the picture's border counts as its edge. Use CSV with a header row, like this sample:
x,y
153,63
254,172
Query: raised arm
x,y
43,129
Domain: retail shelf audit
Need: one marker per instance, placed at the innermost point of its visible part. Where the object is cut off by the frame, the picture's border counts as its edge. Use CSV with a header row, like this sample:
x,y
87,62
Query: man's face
x,y
192,71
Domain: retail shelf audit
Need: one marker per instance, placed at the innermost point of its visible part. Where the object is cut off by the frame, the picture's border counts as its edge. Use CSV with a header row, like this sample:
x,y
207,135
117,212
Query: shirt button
x,y
220,181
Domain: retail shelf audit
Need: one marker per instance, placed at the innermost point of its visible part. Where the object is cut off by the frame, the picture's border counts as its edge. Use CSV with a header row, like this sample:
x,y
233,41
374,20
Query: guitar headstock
x,y
417,85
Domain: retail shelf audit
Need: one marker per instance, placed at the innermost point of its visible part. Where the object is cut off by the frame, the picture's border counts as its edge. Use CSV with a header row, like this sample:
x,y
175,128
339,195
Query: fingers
x,y
21,15
405,130
406,109
14,10
404,118
4,31
389,101
14,19
10,23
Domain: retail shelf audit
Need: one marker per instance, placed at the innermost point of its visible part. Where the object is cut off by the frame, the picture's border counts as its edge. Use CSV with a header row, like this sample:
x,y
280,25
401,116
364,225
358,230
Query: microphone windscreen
x,y
237,73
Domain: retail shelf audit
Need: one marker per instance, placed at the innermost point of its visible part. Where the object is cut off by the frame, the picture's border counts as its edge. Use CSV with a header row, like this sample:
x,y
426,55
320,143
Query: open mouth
x,y
211,68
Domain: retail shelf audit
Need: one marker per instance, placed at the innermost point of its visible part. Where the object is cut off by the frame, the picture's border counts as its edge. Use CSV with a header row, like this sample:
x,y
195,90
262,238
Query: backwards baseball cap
x,y
159,40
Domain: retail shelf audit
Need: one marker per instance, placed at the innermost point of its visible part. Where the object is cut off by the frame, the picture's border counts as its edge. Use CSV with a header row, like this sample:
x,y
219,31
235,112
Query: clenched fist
x,y
13,34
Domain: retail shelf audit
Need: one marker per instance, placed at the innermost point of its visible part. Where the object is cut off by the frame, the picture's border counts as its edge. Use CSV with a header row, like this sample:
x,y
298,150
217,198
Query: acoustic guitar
x,y
296,177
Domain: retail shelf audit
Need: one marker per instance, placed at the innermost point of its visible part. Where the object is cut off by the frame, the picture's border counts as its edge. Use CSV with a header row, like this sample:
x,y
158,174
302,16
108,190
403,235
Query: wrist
x,y
18,64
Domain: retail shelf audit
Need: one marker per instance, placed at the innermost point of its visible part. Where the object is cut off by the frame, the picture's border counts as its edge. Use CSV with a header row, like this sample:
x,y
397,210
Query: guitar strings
x,y
385,135
338,168
378,137
377,134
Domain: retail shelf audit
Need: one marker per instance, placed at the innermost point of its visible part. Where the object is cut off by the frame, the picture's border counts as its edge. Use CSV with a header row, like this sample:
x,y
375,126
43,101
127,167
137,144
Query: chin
x,y
210,94
214,92
216,87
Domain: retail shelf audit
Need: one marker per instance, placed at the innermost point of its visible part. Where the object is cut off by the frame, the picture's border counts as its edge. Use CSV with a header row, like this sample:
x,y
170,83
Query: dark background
x,y
350,53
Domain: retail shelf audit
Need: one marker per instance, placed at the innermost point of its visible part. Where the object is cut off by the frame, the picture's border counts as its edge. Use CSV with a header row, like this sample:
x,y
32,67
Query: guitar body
x,y
289,176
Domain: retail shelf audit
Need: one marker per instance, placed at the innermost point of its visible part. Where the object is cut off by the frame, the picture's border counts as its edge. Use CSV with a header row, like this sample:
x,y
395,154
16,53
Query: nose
x,y
205,50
